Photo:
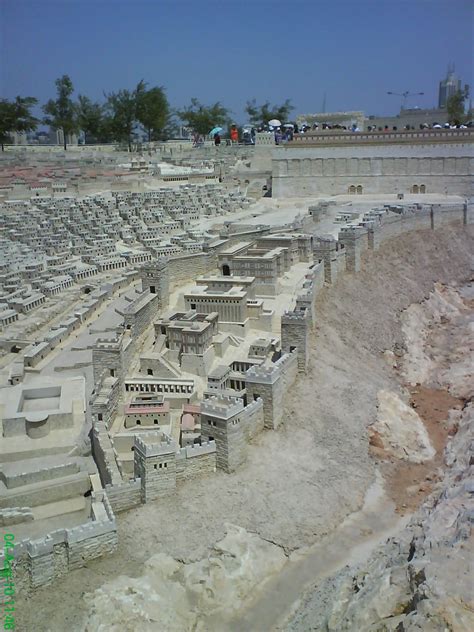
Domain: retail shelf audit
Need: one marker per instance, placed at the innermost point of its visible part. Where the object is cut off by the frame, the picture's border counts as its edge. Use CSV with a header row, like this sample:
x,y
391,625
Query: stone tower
x,y
295,335
155,279
155,464
107,359
325,249
222,420
353,239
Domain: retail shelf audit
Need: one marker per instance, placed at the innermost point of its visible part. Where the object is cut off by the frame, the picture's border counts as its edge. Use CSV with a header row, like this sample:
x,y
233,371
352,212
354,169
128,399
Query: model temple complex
x,y
156,314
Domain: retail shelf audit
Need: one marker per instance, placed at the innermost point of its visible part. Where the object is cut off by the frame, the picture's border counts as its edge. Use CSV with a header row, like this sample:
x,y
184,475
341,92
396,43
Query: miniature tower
x,y
373,234
351,237
107,359
155,279
221,420
324,248
295,335
155,464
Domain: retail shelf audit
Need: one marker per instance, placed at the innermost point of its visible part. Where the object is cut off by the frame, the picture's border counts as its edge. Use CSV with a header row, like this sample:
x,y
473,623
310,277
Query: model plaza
x,y
151,330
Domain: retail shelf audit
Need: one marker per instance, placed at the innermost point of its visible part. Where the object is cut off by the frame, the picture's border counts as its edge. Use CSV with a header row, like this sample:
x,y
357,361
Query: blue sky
x,y
229,51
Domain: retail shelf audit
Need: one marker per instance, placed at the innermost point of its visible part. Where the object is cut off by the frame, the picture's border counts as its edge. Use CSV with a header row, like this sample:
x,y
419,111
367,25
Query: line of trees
x,y
123,114
118,119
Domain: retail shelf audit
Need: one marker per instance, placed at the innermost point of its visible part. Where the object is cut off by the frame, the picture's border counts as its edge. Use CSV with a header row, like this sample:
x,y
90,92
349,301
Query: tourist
x,y
217,140
234,134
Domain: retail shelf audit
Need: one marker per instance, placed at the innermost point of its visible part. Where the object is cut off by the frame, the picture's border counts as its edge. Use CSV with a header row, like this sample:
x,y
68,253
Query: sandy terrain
x,y
301,481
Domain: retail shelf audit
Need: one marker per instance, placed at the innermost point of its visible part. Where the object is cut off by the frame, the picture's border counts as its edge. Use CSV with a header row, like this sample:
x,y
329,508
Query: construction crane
x,y
405,96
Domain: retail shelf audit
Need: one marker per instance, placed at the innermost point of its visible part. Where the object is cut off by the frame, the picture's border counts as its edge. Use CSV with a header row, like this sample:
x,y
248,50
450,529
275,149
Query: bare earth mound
x,y
301,481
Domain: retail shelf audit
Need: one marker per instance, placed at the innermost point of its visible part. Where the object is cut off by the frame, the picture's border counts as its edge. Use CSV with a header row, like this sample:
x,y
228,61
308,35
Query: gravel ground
x,y
301,481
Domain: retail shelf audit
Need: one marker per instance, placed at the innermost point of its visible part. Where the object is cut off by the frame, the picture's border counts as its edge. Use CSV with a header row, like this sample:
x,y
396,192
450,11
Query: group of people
x,y
407,128
286,132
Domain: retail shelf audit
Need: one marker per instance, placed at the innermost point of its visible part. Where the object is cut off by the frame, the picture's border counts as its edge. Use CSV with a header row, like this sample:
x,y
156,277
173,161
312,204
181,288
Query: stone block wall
x,y
107,360
226,428
354,239
195,461
104,403
155,278
375,168
252,419
189,267
40,562
155,465
104,455
295,335
271,383
325,250
140,313
124,495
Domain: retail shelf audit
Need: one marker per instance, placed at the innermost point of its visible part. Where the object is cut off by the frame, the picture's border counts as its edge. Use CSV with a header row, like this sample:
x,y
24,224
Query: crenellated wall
x,y
40,562
270,383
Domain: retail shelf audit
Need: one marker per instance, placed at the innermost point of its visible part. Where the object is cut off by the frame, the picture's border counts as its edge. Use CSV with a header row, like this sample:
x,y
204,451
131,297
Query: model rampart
x,y
40,562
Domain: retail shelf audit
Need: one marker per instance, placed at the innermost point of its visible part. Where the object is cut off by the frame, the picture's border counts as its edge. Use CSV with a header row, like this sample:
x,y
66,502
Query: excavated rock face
x,y
421,580
399,430
176,597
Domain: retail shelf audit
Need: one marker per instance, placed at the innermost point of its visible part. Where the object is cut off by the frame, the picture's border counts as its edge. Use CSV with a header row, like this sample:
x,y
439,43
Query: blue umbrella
x,y
215,130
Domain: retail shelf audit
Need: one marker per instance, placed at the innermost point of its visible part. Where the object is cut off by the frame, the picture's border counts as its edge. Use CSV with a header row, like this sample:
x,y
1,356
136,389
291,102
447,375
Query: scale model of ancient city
x,y
167,318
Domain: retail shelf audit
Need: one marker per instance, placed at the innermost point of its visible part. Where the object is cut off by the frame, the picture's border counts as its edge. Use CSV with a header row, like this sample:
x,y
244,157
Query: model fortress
x,y
142,349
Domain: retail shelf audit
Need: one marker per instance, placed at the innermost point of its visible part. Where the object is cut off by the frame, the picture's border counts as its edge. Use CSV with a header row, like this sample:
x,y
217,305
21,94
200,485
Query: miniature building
x,y
189,332
143,411
224,283
231,305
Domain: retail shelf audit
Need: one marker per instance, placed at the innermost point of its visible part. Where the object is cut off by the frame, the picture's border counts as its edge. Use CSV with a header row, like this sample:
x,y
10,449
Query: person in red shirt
x,y
234,134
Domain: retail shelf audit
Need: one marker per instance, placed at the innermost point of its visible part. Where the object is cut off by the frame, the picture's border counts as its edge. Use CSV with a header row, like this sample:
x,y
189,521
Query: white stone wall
x,y
377,168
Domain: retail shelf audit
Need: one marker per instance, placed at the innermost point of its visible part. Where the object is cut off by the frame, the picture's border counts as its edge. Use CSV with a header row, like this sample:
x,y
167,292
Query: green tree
x,y
202,118
259,115
62,113
15,116
122,108
92,120
455,105
153,111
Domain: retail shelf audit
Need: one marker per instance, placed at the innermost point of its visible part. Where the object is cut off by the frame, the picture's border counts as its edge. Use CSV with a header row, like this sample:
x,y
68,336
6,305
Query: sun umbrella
x,y
274,123
288,125
215,130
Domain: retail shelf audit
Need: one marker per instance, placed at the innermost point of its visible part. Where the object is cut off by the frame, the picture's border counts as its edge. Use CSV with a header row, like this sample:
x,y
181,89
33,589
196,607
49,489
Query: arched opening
x,y
87,290
352,189
225,270
15,349
359,189
422,188
414,188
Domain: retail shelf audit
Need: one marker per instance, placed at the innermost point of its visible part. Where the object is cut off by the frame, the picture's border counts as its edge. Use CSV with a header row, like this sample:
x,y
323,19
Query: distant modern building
x,y
448,87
